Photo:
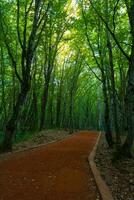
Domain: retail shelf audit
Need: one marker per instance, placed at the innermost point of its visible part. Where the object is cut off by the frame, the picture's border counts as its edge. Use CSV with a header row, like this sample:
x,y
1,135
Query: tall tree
x,y
28,44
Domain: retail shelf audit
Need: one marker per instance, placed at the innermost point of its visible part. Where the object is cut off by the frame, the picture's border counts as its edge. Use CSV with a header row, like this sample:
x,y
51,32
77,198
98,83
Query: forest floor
x,y
55,171
119,176
39,138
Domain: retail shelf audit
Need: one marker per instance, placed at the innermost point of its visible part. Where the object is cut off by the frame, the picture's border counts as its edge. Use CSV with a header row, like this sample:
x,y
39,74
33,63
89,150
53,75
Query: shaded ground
x,y
43,137
119,176
57,171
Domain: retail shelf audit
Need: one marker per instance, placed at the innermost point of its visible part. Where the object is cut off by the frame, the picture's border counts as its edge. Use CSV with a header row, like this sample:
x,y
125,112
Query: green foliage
x,y
70,54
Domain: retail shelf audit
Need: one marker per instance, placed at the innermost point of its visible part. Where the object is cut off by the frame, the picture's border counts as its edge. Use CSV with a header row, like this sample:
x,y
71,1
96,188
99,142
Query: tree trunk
x,y
129,98
44,105
58,110
129,102
71,112
108,132
11,124
115,115
2,72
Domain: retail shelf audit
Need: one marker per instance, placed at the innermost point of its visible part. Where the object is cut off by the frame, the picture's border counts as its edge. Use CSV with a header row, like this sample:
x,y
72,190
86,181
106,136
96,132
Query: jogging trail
x,y
57,171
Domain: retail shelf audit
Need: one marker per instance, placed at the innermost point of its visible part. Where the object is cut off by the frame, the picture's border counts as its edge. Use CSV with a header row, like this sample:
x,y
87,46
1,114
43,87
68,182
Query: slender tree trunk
x,y
113,89
105,86
58,109
11,124
129,103
108,132
129,98
114,98
51,102
59,101
2,71
121,96
71,125
44,102
50,108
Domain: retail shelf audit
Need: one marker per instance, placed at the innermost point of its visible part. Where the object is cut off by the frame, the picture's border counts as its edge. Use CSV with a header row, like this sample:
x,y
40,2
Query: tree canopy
x,y
67,64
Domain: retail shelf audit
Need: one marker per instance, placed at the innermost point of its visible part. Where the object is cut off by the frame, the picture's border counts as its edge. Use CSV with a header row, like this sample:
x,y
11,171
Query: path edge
x,y
102,186
6,156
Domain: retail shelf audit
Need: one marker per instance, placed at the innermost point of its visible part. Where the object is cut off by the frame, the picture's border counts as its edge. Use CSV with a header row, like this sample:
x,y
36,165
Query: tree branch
x,y
93,72
86,26
18,22
11,55
43,26
111,32
29,8
115,8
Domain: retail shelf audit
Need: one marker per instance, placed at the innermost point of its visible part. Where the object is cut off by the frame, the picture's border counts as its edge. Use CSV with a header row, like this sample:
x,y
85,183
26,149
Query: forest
x,y
67,64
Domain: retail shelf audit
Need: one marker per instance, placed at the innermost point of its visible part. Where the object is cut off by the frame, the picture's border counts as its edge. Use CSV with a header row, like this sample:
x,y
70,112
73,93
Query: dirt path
x,y
57,171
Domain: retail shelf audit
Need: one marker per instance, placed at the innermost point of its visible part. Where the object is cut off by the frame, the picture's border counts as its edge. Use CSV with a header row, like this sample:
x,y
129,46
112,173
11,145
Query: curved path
x,y
57,171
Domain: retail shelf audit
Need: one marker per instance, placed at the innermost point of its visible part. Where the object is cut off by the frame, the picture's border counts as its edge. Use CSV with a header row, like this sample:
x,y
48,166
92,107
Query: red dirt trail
x,y
57,171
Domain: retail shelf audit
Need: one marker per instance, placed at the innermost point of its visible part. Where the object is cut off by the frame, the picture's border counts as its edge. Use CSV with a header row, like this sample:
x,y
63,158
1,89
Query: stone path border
x,y
103,188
